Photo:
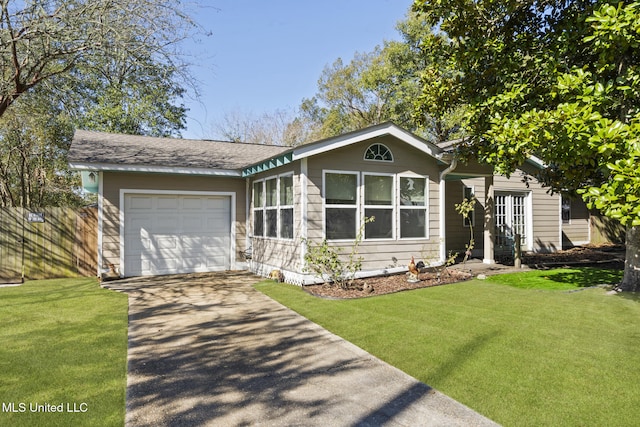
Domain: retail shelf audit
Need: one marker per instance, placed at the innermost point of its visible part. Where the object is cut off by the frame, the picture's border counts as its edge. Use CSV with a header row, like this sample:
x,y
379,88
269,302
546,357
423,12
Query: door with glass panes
x,y
510,219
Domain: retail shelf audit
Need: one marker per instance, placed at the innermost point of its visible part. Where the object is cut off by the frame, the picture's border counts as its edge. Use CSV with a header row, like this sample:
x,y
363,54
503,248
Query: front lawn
x,y
63,348
522,357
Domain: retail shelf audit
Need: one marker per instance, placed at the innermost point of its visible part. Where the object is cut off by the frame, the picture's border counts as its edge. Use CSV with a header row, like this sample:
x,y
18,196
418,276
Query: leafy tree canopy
x,y
557,79
109,65
380,86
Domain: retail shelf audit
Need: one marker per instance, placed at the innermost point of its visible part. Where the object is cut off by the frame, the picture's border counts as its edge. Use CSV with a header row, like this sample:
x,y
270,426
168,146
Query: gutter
x,y
443,216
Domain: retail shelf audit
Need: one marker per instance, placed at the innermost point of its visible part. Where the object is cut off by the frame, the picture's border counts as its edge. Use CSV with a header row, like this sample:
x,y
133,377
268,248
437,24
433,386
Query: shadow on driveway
x,y
208,349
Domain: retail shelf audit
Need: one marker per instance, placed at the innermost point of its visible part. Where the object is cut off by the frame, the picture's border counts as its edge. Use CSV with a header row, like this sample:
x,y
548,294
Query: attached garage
x,y
169,233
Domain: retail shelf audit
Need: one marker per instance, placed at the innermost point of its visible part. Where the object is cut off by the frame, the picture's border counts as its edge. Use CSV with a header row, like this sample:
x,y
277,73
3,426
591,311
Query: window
x,y
566,210
271,210
286,207
341,205
352,196
413,207
258,208
468,194
273,207
378,152
378,203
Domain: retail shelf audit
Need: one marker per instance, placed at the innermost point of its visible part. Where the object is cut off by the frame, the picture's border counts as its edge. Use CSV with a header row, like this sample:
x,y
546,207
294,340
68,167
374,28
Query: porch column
x,y
489,221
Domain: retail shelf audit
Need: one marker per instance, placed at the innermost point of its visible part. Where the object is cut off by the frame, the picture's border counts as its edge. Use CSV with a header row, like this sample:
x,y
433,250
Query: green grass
x,y
559,279
522,357
63,341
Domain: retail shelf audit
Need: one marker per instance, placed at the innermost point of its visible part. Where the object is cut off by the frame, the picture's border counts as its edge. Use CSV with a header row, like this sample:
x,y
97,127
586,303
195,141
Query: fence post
x,y
517,255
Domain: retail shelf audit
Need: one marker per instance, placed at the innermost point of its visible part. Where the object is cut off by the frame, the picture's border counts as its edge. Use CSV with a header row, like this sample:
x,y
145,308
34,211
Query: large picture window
x,y
378,203
273,207
341,205
413,207
399,204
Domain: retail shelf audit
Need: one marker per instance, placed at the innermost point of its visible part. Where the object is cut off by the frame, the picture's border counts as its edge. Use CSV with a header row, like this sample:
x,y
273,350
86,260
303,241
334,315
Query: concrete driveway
x,y
208,349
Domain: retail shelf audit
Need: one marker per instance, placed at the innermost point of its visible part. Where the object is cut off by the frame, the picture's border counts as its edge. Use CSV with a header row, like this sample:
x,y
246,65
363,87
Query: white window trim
x,y
364,157
426,207
266,208
281,207
392,207
360,207
528,201
326,205
261,208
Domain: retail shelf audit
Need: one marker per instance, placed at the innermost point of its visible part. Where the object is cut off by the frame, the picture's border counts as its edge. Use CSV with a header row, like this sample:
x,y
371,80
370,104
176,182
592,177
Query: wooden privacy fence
x,y
47,243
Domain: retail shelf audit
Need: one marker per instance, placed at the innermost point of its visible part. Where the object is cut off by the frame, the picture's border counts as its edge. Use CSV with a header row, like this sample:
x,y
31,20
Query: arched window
x,y
378,152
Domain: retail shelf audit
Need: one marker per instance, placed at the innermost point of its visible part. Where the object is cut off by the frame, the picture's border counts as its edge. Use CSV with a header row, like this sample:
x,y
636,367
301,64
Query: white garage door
x,y
169,234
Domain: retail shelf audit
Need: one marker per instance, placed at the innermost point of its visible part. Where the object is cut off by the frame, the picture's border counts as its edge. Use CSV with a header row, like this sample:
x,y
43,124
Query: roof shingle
x,y
101,148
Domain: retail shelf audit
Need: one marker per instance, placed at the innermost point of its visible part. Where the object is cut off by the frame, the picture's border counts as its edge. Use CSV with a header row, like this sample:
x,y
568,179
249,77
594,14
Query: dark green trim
x,y
266,165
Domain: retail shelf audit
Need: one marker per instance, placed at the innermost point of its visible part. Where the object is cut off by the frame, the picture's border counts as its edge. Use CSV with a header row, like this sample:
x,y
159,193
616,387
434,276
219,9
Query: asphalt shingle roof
x,y
89,147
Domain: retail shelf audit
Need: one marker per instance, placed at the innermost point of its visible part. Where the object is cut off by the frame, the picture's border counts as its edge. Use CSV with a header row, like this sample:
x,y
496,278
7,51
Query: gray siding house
x,y
175,206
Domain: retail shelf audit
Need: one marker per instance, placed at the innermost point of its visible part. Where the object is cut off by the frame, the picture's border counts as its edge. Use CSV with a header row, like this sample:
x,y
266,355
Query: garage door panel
x,y
213,242
166,242
216,203
140,202
166,223
192,203
191,223
166,234
167,202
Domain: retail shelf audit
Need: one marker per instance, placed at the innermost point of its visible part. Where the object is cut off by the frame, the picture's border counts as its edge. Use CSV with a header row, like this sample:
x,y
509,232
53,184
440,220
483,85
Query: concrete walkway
x,y
208,349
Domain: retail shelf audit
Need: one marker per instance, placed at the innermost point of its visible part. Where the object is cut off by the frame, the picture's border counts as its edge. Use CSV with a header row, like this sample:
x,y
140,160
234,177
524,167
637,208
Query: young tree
x,y
557,79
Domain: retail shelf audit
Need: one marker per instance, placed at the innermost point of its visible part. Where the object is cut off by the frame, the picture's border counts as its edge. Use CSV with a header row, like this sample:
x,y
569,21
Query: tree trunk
x,y
631,279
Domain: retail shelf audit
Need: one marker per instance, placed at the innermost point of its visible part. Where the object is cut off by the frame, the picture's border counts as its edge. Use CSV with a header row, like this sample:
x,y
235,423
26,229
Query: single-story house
x,y
174,206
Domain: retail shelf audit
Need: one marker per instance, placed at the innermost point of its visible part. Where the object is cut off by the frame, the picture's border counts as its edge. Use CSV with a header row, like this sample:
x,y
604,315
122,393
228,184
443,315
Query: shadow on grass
x,y
561,279
584,277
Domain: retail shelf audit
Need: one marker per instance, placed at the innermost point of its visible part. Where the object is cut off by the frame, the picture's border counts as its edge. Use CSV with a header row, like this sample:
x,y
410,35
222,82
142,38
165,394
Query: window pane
x,y
258,223
341,224
341,188
412,191
378,190
272,193
286,190
272,223
286,223
566,210
258,193
382,226
413,223
378,152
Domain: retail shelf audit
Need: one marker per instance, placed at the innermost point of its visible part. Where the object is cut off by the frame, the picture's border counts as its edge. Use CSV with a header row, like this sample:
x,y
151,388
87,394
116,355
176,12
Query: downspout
x,y
443,215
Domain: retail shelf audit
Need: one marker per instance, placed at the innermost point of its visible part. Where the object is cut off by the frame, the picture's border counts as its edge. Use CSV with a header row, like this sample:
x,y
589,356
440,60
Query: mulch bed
x,y
604,256
387,284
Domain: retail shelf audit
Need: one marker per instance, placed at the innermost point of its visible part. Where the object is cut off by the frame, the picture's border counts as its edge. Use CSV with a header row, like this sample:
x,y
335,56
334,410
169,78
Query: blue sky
x,y
267,55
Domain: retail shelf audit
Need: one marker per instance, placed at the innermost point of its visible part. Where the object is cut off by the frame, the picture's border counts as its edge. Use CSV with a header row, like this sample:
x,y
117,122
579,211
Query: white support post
x,y
489,221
